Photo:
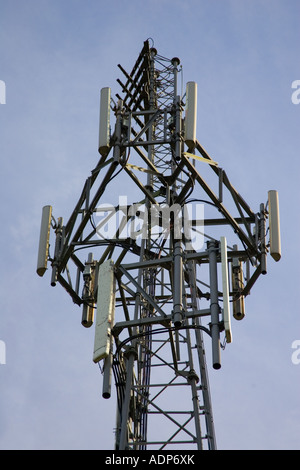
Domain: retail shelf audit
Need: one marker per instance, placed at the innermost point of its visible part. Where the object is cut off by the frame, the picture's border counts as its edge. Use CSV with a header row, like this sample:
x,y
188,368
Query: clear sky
x,y
55,56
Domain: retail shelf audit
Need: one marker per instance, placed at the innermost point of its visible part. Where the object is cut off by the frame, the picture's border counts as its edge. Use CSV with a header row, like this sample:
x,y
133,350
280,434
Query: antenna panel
x,y
225,285
274,225
105,310
44,240
191,114
104,124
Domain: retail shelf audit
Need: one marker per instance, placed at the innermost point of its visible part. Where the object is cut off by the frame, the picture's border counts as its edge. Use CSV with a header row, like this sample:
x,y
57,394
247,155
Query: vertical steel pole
x,y
118,133
263,259
202,361
57,250
193,379
213,248
131,357
125,407
177,291
177,253
107,375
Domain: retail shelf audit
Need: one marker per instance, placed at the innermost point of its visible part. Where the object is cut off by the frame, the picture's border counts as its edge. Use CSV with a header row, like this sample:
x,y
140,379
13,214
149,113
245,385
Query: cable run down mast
x,y
159,249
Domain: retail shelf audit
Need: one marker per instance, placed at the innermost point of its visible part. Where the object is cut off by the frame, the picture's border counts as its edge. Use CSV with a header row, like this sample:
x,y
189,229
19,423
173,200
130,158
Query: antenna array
x,y
153,277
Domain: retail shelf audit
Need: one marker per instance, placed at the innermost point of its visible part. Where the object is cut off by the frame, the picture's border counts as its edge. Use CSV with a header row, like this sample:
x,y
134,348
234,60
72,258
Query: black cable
x,y
160,330
202,200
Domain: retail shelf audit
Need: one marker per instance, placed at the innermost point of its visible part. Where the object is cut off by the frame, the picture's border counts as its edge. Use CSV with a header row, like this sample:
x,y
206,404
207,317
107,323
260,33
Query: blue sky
x,y
55,56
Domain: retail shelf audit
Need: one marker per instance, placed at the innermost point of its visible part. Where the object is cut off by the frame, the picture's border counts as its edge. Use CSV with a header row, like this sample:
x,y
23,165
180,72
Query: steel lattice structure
x,y
153,274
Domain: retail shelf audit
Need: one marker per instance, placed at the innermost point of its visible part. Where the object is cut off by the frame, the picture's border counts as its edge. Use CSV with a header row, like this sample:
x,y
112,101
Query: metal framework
x,y
165,255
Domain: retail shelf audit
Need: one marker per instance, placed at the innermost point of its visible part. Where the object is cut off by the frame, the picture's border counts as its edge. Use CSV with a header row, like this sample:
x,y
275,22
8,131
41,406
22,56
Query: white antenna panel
x,y
225,285
44,240
274,225
104,124
105,310
191,114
